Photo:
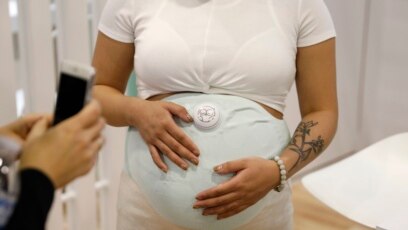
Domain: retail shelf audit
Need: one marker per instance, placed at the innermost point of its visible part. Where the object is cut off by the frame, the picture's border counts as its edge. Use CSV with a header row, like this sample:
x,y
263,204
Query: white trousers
x,y
135,213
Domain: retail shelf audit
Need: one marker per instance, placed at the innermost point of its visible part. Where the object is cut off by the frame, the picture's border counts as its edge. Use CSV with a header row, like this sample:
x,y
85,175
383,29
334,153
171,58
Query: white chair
x,y
369,187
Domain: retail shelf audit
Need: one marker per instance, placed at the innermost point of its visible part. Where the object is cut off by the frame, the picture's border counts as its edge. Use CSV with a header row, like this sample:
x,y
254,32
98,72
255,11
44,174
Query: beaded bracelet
x,y
282,172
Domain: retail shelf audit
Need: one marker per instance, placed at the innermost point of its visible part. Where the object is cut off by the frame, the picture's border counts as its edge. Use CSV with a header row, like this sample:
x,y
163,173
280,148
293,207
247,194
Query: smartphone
x,y
74,89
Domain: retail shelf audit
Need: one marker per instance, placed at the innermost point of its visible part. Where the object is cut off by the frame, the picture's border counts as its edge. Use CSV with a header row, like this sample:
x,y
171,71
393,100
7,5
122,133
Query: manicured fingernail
x,y
218,168
195,161
189,117
196,206
184,166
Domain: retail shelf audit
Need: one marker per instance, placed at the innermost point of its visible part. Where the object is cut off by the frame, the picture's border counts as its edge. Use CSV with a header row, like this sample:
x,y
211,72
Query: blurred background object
x,y
375,195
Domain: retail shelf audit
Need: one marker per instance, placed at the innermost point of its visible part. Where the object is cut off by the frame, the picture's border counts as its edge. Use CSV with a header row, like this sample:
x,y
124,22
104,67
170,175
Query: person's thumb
x,y
87,117
38,129
230,167
23,125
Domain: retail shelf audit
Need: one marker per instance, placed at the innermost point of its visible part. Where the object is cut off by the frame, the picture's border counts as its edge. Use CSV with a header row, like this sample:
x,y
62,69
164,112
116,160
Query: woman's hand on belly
x,y
254,178
158,129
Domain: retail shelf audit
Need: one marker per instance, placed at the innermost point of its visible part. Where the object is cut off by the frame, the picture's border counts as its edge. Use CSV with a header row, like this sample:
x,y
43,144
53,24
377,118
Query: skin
x,y
114,62
316,87
255,177
18,130
63,152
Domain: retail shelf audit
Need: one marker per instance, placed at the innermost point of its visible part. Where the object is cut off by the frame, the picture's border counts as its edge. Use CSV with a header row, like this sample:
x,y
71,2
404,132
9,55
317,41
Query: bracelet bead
x,y
282,167
282,171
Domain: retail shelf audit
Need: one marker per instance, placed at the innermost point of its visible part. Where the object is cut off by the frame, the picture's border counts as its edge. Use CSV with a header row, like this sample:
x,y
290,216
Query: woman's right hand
x,y
154,119
158,129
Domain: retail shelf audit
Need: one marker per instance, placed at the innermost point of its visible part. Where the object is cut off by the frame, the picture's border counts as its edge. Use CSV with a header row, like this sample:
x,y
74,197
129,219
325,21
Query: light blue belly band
x,y
236,128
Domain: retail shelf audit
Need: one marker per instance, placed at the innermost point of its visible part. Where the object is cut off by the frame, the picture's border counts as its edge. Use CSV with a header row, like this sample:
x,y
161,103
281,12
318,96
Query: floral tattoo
x,y
303,147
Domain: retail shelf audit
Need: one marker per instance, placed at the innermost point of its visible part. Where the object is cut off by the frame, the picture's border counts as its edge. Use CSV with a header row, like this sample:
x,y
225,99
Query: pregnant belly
x,y
225,128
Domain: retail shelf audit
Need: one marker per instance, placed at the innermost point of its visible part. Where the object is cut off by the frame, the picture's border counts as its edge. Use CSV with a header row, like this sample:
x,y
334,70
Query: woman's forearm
x,y
312,136
117,108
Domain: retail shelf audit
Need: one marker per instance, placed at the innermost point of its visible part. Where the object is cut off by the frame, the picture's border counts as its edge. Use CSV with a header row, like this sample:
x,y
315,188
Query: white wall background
x,y
372,75
372,60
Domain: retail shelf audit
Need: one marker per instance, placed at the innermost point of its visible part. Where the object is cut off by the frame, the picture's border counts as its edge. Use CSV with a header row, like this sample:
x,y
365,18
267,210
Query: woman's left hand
x,y
254,178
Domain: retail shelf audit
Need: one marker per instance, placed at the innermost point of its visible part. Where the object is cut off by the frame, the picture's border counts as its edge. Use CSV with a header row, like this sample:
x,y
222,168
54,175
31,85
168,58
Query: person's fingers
x,y
93,152
88,116
38,129
179,149
23,125
49,118
219,190
178,134
230,166
231,212
85,160
99,143
178,111
96,145
157,159
171,155
94,131
222,209
226,187
31,119
217,201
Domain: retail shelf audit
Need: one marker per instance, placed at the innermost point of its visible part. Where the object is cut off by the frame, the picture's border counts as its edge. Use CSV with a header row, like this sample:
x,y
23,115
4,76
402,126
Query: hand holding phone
x,y
74,89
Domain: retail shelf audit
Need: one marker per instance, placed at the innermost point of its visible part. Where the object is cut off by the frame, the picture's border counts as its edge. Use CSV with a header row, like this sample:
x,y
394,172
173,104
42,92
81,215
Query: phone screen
x,y
71,97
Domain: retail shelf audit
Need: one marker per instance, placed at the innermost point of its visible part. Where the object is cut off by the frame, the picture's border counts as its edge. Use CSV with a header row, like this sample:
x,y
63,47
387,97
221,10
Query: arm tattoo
x,y
303,147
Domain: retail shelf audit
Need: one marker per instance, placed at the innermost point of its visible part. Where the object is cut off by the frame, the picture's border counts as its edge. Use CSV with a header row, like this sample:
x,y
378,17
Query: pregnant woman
x,y
207,146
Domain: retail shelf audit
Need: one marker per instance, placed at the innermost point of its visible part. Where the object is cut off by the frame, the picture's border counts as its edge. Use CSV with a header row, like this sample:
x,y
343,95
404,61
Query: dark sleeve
x,y
35,200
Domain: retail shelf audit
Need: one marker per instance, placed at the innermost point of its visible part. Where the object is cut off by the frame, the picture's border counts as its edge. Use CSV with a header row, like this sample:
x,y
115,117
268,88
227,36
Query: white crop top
x,y
239,47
